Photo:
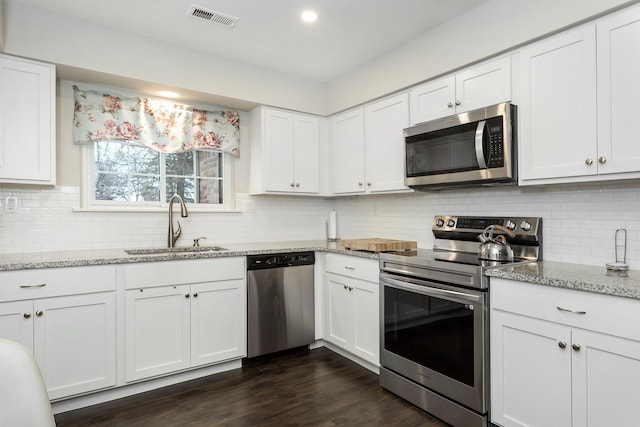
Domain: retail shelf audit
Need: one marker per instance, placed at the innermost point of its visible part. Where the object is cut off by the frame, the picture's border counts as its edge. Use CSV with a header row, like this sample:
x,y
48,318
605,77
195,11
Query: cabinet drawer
x,y
51,282
152,274
360,268
596,312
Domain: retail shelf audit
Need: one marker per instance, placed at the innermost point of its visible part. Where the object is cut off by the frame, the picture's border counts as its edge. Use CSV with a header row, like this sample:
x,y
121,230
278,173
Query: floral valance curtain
x,y
161,125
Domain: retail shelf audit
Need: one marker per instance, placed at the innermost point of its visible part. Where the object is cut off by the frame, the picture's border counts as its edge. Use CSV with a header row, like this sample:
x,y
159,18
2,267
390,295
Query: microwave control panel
x,y
496,146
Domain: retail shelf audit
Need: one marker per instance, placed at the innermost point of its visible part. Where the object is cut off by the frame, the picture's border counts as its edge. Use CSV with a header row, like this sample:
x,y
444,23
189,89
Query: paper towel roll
x,y
332,232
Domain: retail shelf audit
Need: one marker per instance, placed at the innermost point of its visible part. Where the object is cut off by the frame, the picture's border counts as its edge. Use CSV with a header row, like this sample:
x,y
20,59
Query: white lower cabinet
x,y
352,318
553,367
73,337
199,319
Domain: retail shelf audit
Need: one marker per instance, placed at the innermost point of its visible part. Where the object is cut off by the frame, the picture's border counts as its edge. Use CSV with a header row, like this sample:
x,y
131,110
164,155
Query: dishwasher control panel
x,y
287,259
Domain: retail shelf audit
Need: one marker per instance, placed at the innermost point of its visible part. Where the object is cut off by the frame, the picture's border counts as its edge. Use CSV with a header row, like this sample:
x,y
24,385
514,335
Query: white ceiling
x,y
269,33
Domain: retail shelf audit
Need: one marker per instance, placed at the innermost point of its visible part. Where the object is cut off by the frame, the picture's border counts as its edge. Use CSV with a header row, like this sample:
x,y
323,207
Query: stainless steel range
x,y
434,321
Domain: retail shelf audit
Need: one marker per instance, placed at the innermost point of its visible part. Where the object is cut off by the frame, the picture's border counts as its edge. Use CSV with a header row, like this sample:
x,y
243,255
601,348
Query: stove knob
x,y
510,224
440,222
451,223
526,226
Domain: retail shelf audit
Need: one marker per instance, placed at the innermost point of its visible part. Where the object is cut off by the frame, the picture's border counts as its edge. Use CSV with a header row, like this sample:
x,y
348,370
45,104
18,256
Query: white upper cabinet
x,y
368,148
27,121
347,166
557,111
285,152
485,84
384,152
618,45
579,104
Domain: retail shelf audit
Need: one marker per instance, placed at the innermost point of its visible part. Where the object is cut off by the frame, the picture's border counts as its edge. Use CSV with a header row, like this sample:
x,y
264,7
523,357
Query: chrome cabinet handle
x,y
369,184
571,311
602,160
26,315
450,105
297,184
349,268
458,102
576,347
360,184
33,286
588,161
39,313
562,344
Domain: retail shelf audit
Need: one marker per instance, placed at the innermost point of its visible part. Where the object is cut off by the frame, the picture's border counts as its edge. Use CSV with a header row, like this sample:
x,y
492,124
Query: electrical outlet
x,y
11,204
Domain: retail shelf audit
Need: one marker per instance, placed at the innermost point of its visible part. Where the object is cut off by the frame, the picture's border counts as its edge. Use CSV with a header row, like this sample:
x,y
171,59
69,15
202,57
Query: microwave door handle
x,y
479,145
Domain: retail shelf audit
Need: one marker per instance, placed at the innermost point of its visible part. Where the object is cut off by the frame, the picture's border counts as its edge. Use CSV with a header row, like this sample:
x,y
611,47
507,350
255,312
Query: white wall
x,y
493,27
34,33
579,222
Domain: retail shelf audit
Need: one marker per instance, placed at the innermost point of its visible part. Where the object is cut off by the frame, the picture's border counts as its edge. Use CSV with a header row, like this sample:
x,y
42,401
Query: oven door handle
x,y
482,163
427,288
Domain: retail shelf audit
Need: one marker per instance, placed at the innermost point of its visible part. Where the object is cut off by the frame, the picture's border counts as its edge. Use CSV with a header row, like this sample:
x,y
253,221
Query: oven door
x,y
435,335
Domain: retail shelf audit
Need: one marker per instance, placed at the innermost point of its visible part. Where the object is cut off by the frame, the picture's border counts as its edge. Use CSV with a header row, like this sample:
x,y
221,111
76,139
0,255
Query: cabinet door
x,y
27,121
433,100
157,331
16,322
218,321
618,92
366,313
606,380
530,372
483,85
385,122
348,170
279,151
340,312
557,136
75,342
306,154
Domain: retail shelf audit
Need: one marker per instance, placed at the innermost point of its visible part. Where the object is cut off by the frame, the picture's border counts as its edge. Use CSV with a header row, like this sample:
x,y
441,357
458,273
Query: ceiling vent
x,y
204,14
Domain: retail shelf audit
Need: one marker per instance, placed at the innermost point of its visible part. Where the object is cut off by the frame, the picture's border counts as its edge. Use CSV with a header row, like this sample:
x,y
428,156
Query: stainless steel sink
x,y
185,249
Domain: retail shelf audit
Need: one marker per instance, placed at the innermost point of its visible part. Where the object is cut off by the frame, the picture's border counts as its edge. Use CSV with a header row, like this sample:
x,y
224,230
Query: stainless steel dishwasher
x,y
280,302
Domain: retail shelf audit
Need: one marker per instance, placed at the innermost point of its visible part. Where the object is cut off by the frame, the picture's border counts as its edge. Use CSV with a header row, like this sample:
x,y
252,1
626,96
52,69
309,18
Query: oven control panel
x,y
522,226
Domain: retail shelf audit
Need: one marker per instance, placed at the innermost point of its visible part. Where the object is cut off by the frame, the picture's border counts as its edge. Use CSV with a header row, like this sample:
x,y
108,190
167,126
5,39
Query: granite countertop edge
x,y
588,278
60,259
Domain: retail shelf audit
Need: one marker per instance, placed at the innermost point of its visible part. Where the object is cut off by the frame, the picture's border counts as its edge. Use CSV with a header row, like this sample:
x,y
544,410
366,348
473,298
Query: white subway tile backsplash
x,y
579,221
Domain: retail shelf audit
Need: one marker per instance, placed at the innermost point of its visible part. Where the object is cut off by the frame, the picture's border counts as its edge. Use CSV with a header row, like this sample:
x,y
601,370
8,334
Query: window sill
x,y
152,209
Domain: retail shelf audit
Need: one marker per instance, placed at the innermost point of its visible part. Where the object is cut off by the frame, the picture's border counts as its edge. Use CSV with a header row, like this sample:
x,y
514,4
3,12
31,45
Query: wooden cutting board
x,y
378,245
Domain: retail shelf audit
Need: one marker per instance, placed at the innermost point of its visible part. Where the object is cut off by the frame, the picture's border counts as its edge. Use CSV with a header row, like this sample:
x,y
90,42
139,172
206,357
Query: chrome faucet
x,y
174,235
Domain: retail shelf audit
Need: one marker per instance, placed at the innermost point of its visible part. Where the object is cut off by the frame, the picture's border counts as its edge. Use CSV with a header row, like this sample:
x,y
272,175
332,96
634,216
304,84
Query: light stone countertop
x,y
587,278
57,259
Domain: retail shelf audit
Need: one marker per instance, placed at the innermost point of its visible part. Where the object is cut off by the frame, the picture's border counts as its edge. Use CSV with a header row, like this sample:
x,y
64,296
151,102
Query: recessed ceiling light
x,y
168,94
309,16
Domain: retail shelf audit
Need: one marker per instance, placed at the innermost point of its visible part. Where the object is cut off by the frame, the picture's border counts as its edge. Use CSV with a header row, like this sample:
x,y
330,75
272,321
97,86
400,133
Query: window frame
x,y
89,202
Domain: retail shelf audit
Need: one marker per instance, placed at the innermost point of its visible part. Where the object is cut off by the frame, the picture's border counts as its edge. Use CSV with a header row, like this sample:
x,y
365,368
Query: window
x,y
121,174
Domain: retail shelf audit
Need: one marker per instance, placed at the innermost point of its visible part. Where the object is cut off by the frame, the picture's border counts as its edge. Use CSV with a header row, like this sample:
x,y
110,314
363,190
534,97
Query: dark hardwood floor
x,y
307,388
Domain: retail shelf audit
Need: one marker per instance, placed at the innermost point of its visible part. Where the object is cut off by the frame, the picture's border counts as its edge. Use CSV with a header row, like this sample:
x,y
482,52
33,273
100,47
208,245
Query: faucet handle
x,y
196,242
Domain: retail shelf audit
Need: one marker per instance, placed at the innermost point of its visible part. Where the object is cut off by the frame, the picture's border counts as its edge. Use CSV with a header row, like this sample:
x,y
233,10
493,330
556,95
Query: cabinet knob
x,y
360,184
458,102
588,161
450,105
345,287
297,184
602,160
292,185
26,315
576,347
39,313
369,184
186,295
195,295
562,344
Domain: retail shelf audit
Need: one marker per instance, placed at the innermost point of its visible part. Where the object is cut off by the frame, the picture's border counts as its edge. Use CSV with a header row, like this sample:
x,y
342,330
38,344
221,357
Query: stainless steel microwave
x,y
469,149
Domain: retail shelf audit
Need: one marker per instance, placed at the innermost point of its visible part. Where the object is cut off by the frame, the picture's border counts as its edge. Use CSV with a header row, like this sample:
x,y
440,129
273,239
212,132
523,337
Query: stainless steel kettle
x,y
495,248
